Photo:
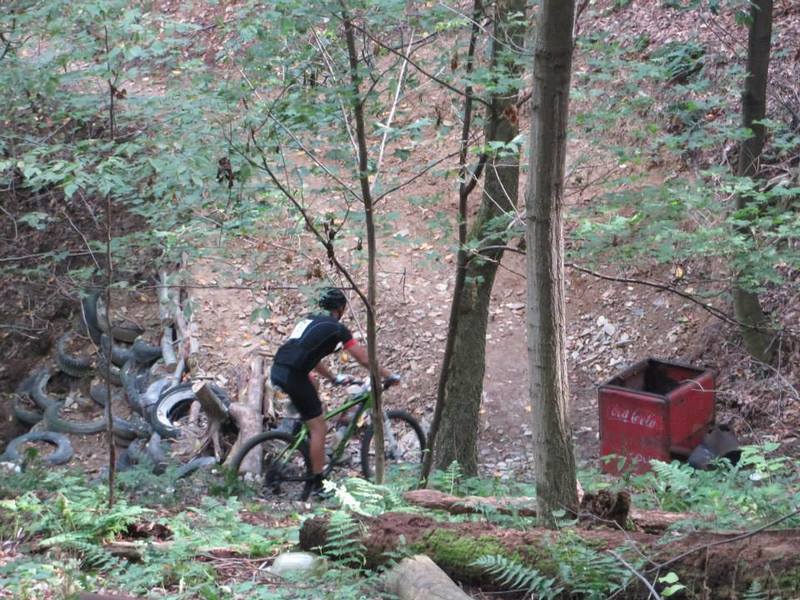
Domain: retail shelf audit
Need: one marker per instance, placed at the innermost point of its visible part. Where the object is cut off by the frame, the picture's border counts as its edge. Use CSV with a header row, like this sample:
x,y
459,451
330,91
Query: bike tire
x,y
407,457
284,477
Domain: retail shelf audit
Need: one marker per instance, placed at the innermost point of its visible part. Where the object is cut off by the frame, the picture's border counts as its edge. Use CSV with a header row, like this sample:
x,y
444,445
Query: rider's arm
x,y
325,371
359,352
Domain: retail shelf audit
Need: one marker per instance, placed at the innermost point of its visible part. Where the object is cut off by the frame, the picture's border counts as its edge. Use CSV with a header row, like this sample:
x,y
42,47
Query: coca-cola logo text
x,y
634,416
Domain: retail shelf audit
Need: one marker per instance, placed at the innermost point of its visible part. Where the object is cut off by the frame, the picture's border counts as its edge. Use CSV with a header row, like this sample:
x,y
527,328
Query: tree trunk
x,y
554,461
467,181
457,436
710,565
372,251
753,321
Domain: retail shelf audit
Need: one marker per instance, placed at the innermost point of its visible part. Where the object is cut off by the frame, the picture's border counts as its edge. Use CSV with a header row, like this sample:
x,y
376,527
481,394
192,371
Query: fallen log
x,y
718,565
418,578
106,596
650,521
246,413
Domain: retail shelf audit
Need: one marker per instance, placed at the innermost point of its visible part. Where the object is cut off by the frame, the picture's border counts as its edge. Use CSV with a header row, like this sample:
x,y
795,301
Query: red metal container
x,y
654,409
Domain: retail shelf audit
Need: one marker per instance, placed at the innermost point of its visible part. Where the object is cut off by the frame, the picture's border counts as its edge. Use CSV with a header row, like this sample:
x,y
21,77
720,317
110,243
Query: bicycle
x,y
285,459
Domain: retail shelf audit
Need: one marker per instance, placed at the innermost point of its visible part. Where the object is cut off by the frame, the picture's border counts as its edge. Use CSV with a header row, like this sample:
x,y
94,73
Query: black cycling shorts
x,y
301,391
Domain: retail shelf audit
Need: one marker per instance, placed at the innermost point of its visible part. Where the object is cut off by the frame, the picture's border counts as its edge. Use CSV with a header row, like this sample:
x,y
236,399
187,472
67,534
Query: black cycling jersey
x,y
312,340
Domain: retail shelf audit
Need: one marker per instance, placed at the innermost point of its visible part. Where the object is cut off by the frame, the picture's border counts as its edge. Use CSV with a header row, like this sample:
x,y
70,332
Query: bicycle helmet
x,y
332,298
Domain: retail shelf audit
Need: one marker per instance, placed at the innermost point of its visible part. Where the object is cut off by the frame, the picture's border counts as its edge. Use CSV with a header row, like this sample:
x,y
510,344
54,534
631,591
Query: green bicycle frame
x,y
364,403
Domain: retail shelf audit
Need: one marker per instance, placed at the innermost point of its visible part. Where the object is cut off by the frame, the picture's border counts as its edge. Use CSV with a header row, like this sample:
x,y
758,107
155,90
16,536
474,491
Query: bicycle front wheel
x,y
404,447
284,470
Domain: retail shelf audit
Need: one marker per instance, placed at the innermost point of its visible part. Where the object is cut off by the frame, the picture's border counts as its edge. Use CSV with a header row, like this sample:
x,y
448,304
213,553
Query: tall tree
x,y
556,484
746,304
461,378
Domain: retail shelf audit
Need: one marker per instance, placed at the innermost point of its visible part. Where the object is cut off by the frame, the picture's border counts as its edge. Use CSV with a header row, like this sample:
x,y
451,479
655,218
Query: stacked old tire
x,y
128,370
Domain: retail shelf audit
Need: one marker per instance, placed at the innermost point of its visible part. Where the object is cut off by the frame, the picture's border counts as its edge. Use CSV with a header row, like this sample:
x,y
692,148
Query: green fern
x,y
755,592
450,479
589,573
515,576
372,499
344,540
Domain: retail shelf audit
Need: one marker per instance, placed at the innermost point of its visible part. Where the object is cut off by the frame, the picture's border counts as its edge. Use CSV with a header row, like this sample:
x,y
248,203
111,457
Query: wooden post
x,y
246,413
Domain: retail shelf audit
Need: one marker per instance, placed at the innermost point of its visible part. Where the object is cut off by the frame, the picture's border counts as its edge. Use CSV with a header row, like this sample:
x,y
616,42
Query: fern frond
x,y
755,592
515,576
344,540
372,499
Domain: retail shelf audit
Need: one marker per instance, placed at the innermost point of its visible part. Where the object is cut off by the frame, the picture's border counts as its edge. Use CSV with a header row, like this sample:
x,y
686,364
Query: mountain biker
x,y
312,339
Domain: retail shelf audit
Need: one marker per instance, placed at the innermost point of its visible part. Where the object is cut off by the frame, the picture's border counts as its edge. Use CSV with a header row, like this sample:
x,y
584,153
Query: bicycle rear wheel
x,y
284,470
403,451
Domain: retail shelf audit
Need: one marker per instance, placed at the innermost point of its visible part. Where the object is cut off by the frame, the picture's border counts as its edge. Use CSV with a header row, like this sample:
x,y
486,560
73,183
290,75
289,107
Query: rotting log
x,y
723,565
418,578
246,413
650,521
106,596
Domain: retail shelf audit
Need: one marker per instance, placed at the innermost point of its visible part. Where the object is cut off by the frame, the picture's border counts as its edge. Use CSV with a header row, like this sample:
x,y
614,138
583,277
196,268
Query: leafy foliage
x,y
512,575
343,542
757,488
74,519
669,108
590,573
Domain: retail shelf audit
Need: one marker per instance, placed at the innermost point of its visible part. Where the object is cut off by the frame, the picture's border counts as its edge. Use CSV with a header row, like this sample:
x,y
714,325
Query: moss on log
x,y
723,565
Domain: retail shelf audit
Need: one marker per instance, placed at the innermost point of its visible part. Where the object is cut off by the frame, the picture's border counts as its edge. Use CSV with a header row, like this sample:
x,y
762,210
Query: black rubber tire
x,y
119,354
155,450
144,353
136,452
412,457
134,382
55,423
99,393
124,463
89,317
22,414
154,392
59,456
174,404
199,462
38,389
108,372
124,331
74,366
278,478
131,428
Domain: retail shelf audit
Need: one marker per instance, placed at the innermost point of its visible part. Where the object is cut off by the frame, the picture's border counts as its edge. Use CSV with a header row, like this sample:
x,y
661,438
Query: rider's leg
x,y
316,428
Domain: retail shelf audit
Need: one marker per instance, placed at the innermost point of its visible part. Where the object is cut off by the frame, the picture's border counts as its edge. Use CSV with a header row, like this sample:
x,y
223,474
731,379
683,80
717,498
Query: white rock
x,y
297,563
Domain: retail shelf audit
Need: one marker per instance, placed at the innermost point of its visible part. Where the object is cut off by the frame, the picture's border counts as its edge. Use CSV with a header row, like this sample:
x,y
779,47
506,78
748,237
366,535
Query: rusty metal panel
x,y
654,410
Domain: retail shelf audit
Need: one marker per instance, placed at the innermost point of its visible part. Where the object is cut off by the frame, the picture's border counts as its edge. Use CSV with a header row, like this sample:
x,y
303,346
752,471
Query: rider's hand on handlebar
x,y
343,379
391,380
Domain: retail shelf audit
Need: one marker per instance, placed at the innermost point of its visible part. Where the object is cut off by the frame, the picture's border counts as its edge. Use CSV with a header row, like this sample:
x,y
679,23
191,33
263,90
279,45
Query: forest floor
x,y
609,324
